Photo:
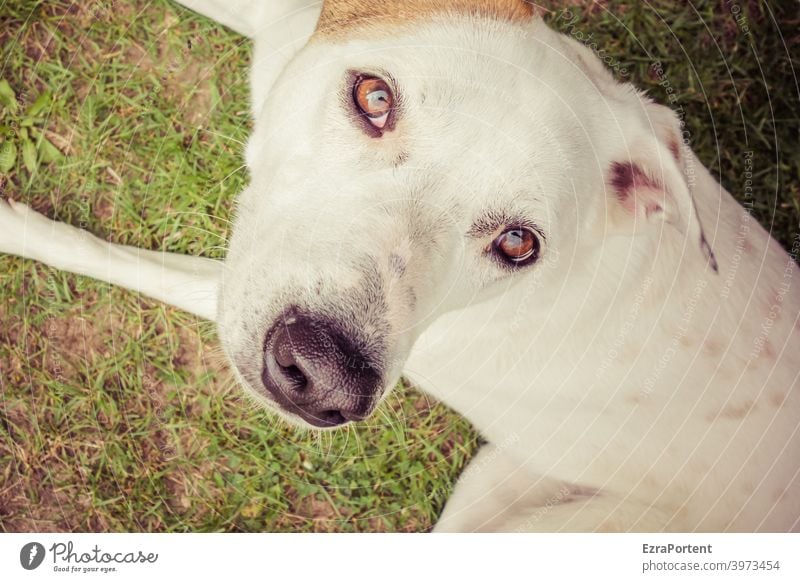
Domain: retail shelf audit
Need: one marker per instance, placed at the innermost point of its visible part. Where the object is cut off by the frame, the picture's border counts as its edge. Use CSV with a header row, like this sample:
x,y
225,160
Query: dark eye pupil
x,y
514,238
377,103
517,243
373,97
377,98
518,246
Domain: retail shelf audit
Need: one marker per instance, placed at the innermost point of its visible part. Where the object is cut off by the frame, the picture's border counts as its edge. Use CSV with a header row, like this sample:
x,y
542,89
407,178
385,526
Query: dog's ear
x,y
647,182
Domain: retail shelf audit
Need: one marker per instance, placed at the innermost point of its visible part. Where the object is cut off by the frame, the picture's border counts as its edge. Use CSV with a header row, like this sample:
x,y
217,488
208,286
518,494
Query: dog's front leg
x,y
189,283
494,492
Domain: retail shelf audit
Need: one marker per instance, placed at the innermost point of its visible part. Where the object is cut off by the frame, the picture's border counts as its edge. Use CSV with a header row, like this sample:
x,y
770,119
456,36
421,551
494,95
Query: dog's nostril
x,y
312,370
295,377
332,417
283,353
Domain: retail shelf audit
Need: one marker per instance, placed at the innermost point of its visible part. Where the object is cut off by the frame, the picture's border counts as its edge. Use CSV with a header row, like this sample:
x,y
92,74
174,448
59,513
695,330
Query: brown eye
x,y
374,99
518,246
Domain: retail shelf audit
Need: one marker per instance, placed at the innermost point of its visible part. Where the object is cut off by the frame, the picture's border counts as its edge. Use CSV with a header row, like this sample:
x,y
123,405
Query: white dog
x,y
452,191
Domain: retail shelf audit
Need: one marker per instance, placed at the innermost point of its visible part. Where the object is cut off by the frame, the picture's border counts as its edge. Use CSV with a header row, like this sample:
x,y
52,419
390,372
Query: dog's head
x,y
402,169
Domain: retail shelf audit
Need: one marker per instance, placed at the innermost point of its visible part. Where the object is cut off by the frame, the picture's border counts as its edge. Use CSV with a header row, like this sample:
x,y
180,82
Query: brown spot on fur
x,y
775,298
635,399
685,341
338,15
769,350
738,411
651,481
578,491
777,398
724,374
712,347
781,494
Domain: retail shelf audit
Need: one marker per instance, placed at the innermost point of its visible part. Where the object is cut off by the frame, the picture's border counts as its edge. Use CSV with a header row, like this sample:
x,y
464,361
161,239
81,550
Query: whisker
x,y
397,422
359,444
343,448
233,173
390,424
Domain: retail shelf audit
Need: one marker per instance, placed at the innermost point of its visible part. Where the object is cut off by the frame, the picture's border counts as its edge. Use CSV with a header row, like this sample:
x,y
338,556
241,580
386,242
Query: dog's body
x,y
630,378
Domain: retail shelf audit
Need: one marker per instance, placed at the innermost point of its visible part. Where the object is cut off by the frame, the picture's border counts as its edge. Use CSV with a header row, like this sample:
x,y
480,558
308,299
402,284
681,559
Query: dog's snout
x,y
314,371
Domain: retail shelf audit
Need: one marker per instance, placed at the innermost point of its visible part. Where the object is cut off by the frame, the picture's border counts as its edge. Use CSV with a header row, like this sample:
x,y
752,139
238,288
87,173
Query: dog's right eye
x,y
518,246
374,99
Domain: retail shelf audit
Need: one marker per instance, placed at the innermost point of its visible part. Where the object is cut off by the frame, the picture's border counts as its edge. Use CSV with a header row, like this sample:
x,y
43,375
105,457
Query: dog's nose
x,y
316,372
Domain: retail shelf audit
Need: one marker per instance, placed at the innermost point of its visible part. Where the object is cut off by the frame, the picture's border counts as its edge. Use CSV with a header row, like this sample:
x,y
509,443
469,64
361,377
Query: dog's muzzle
x,y
315,371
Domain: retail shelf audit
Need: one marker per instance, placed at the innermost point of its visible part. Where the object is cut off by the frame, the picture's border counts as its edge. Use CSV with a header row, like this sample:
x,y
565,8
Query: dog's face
x,y
395,179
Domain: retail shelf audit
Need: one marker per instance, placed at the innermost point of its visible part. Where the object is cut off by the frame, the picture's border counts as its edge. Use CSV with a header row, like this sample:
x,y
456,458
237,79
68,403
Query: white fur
x,y
623,383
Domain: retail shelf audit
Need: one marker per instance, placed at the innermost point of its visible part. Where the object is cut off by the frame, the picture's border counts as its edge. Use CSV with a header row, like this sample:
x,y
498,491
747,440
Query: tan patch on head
x,y
339,15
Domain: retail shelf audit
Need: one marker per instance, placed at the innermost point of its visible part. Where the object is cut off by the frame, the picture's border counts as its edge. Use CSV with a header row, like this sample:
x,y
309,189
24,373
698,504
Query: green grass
x,y
117,413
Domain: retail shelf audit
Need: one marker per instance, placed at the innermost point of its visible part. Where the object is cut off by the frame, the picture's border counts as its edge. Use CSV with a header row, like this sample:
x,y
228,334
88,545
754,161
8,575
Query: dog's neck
x,y
344,15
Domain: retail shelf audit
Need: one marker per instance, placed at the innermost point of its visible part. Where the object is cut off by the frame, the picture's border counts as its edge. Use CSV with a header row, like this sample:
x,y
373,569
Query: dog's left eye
x,y
374,99
518,246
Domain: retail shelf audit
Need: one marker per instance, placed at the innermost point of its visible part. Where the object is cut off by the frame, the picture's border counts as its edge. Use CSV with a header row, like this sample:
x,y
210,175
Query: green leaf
x,y
48,152
7,96
8,156
42,101
29,155
216,99
218,480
